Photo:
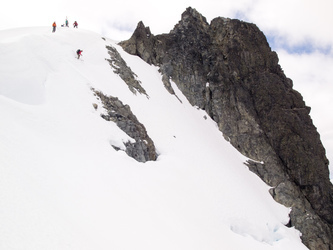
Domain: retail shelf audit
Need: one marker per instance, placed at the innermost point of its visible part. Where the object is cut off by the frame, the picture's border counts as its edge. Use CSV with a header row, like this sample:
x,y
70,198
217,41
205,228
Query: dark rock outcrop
x,y
143,149
228,69
126,74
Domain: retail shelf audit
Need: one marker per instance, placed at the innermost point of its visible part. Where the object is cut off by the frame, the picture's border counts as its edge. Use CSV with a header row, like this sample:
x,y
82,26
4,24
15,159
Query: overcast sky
x,y
299,30
292,22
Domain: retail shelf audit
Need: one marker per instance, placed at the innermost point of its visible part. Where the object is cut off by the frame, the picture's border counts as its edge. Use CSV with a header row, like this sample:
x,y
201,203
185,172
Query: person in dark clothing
x,y
79,53
75,24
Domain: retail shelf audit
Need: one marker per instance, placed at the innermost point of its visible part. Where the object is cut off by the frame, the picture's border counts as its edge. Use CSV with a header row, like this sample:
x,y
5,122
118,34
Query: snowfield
x,y
63,186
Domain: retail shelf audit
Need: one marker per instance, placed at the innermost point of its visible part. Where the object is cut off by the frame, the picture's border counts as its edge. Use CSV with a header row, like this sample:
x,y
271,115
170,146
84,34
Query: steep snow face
x,y
62,185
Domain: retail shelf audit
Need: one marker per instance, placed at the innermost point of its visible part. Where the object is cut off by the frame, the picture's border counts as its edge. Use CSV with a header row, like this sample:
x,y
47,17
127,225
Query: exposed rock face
x,y
143,149
120,67
228,69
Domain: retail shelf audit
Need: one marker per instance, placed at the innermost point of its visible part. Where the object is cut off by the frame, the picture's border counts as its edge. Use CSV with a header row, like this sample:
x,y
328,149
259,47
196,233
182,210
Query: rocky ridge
x,y
142,147
120,67
228,69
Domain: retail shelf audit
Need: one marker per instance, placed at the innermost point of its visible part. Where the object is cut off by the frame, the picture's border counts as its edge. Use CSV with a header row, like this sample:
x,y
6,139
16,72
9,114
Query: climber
x,y
54,25
78,52
75,24
66,23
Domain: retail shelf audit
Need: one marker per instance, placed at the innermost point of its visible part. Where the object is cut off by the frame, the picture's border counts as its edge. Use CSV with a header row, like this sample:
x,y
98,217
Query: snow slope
x,y
62,185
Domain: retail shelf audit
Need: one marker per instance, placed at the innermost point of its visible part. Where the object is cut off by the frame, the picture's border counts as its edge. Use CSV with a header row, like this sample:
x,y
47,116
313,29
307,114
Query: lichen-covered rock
x,y
143,149
228,69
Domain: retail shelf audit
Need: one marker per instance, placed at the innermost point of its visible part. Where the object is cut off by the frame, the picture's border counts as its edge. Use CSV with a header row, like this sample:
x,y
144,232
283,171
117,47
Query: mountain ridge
x,y
67,182
228,69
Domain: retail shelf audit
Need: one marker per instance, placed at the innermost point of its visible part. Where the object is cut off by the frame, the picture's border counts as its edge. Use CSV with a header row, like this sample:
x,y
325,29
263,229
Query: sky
x,y
300,31
290,23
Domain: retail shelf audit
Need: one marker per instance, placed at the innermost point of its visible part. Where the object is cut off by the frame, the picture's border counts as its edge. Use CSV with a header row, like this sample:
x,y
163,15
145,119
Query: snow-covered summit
x,y
63,186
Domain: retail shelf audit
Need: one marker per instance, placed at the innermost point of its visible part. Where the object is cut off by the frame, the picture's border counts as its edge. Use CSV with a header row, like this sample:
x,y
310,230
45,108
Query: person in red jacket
x,y
54,25
79,53
75,24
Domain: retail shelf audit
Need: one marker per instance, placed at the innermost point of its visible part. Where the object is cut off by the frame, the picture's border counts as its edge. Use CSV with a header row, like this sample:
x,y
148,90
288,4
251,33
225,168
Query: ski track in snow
x,y
62,185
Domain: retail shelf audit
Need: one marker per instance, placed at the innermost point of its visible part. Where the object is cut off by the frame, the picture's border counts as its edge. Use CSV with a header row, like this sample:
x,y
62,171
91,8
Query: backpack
x,y
78,51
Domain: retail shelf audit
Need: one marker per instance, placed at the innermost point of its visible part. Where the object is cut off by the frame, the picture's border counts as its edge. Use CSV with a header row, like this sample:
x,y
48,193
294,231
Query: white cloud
x,y
295,22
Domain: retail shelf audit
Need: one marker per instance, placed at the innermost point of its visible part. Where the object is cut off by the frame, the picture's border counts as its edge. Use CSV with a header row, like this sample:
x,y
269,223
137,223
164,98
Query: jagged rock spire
x,y
228,69
192,17
141,43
